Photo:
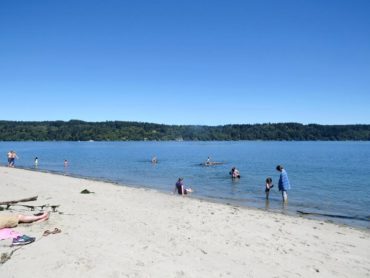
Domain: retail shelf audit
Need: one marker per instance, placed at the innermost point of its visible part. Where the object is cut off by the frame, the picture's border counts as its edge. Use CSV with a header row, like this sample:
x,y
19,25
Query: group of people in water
x,y
12,155
283,184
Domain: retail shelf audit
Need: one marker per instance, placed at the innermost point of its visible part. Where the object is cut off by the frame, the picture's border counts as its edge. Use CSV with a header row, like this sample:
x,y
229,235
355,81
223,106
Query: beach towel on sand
x,y
8,233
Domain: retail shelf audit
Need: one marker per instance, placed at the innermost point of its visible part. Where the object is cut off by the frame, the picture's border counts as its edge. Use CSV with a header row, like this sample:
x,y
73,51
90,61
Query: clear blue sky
x,y
186,62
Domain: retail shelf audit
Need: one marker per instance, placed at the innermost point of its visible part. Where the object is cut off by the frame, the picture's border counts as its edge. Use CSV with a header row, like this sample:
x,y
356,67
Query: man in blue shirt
x,y
284,184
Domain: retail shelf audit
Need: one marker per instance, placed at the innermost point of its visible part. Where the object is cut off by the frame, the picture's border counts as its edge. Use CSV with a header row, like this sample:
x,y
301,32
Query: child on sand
x,y
269,185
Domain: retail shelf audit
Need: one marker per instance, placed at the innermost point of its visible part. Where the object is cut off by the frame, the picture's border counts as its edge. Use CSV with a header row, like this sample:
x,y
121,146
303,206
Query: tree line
x,y
76,130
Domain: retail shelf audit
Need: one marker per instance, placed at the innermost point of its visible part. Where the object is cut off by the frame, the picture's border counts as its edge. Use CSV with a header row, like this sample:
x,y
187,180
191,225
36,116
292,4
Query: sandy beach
x,y
121,231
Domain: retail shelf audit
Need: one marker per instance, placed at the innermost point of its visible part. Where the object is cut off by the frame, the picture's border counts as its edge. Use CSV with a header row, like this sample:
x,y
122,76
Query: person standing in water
x,y
268,186
65,163
9,156
36,162
208,161
12,155
284,184
154,159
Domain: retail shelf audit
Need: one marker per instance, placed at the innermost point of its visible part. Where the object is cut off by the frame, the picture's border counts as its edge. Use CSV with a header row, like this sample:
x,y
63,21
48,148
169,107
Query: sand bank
x,y
128,232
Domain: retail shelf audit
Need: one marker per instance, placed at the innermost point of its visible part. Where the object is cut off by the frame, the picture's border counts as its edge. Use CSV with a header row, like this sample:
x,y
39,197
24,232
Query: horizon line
x,y
142,122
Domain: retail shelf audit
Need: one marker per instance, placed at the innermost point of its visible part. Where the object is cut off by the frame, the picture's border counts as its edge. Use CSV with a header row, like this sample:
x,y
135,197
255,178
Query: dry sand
x,y
128,232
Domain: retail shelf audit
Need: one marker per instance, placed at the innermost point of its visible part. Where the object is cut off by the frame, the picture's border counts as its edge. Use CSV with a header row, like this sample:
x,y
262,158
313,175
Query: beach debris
x,y
54,207
9,203
33,207
204,252
86,191
4,257
55,231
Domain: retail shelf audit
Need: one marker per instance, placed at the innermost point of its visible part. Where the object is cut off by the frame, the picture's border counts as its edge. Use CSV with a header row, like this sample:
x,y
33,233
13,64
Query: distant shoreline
x,y
75,130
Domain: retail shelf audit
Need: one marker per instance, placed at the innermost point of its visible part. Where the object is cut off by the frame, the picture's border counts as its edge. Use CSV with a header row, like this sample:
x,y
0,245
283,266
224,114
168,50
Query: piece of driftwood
x,y
6,256
32,207
34,198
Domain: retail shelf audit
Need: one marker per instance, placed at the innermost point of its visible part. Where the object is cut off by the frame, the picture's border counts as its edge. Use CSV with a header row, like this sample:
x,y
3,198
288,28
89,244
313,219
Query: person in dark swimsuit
x,y
268,186
234,173
180,187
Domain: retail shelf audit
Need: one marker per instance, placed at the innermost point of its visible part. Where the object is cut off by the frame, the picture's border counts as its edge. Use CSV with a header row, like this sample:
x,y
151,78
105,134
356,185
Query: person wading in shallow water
x,y
180,188
12,155
208,161
154,159
268,186
234,173
284,184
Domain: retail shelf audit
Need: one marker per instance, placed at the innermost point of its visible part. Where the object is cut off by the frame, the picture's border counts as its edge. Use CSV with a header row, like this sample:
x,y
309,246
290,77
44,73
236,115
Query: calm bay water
x,y
330,178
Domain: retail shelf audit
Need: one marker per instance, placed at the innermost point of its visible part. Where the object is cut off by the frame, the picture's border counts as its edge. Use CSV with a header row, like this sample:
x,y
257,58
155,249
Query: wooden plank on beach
x,y
32,207
34,198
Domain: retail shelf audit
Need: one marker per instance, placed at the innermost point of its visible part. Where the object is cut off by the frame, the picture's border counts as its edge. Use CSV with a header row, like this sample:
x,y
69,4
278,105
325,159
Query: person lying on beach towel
x,y
11,221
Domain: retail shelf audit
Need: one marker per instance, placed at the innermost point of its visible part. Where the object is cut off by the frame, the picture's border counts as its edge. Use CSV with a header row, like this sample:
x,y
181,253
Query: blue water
x,y
327,177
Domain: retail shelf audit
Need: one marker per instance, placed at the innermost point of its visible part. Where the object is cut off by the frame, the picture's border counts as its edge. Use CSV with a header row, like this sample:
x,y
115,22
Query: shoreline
x,y
292,213
121,231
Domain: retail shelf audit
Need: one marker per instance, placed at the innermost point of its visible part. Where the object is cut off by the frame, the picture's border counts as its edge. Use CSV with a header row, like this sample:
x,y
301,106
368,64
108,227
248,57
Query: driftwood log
x,y
33,207
34,198
8,204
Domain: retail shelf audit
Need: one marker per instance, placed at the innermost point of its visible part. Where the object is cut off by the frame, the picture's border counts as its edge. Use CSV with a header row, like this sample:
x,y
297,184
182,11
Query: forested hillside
x,y
75,130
